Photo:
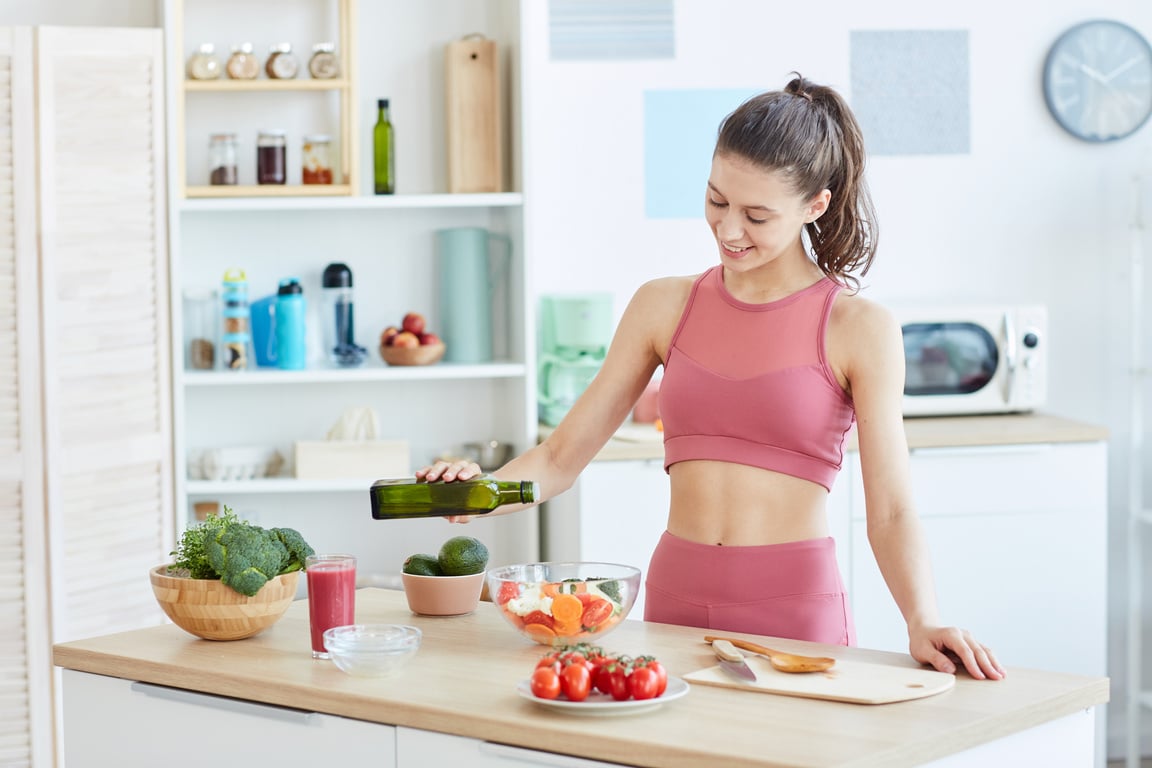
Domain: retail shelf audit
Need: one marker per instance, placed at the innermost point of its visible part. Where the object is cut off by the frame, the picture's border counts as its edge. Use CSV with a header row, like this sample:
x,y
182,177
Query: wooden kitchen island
x,y
161,696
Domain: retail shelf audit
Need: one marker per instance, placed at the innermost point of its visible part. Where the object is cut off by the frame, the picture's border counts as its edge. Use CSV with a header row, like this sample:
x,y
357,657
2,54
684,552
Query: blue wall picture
x,y
910,91
584,30
679,136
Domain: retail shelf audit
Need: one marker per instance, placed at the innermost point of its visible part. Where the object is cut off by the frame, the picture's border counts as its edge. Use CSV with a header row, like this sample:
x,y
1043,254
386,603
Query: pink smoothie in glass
x,y
331,598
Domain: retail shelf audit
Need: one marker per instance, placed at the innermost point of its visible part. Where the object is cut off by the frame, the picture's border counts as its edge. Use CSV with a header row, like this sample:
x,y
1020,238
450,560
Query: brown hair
x,y
808,133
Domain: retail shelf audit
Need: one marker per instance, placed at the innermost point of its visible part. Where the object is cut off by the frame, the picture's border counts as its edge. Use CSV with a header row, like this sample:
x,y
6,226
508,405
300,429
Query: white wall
x,y
1029,214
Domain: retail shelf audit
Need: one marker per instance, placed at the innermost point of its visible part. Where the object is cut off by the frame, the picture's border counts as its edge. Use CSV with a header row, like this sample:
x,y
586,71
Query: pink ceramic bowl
x,y
443,595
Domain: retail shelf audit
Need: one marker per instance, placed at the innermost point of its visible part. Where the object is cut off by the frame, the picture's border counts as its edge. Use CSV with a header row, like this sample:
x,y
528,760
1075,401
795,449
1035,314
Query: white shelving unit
x,y
388,241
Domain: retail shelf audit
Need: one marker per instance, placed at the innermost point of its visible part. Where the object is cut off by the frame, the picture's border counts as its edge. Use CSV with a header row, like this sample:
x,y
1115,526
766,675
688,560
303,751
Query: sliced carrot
x,y
540,633
567,610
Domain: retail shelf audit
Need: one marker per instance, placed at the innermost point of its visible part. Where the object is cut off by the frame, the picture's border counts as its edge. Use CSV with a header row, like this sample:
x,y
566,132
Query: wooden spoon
x,y
785,662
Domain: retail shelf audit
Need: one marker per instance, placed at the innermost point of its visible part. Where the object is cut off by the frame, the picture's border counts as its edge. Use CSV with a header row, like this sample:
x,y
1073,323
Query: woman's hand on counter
x,y
944,647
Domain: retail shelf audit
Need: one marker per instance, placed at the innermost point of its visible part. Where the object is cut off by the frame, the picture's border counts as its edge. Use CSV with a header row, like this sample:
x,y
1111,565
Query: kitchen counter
x,y
643,441
462,681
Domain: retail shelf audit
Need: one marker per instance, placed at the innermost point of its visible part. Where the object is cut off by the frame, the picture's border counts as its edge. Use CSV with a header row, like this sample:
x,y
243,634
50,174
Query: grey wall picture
x,y
910,91
593,30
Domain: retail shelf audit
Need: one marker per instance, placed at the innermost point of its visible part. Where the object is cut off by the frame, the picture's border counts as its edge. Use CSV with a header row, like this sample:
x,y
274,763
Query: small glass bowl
x,y
372,650
598,596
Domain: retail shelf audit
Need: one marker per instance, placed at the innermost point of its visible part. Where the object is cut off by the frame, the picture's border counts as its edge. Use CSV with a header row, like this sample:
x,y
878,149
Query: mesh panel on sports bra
x,y
740,341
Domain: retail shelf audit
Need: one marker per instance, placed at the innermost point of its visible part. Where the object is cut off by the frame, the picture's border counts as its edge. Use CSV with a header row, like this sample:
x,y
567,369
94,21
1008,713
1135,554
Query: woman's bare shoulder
x,y
663,294
859,317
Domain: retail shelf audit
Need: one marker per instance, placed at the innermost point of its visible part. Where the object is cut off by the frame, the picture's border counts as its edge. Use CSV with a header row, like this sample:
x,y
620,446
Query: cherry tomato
x,y
661,673
642,683
576,682
618,682
548,660
545,683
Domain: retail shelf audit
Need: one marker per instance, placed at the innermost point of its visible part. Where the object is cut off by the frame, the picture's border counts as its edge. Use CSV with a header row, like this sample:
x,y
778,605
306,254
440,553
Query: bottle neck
x,y
517,492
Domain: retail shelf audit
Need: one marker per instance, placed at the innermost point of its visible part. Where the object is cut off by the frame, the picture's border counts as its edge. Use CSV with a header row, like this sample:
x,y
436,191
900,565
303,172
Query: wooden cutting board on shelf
x,y
473,109
852,681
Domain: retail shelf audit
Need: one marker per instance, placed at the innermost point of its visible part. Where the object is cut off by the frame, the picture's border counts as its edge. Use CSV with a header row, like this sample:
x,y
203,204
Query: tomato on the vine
x,y
661,673
643,683
545,683
618,682
576,682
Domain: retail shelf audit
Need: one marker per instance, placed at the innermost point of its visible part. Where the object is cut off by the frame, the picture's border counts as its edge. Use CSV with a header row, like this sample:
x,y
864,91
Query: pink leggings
x,y
788,590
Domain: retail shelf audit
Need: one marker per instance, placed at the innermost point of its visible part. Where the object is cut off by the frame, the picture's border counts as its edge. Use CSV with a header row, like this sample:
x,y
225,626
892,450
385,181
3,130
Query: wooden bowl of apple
x,y
410,343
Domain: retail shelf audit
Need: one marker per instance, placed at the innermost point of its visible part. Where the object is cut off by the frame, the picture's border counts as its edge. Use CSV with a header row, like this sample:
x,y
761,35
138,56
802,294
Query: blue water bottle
x,y
290,310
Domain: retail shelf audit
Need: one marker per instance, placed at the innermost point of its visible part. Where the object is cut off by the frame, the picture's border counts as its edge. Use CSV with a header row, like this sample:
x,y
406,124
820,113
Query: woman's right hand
x,y
448,471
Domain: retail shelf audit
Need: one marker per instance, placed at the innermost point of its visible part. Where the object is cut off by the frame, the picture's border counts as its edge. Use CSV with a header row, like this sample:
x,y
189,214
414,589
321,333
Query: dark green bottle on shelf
x,y
410,498
384,150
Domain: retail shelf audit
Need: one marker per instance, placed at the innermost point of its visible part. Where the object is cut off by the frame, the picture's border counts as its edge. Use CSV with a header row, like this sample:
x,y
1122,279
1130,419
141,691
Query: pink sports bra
x,y
749,383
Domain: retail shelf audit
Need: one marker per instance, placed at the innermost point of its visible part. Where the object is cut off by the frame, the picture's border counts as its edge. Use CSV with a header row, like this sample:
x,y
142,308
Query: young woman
x,y
769,358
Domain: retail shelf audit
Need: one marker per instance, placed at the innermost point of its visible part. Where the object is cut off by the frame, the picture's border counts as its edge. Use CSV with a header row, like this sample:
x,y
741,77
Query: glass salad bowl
x,y
564,603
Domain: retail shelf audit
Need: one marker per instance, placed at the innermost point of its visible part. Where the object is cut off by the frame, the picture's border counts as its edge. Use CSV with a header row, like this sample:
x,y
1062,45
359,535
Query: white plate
x,y
602,704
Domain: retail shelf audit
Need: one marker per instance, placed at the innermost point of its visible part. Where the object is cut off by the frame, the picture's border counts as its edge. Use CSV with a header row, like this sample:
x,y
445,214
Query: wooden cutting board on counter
x,y
852,681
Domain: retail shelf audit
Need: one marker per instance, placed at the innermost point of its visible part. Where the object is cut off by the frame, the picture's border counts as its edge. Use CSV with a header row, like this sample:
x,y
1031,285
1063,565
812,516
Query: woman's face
x,y
755,215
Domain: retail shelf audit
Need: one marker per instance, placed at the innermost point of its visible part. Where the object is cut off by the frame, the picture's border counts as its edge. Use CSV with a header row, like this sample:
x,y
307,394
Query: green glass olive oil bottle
x,y
384,150
410,498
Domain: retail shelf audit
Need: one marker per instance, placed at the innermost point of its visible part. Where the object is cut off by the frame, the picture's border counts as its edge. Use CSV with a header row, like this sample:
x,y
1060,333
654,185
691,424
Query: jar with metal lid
x,y
317,157
242,64
222,163
203,65
324,65
282,63
271,161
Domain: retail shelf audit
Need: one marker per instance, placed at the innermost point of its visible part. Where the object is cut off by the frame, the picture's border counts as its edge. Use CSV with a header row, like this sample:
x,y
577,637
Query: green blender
x,y
575,330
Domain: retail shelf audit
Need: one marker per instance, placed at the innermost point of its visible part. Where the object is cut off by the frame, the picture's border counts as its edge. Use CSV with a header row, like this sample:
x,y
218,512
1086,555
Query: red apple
x,y
387,335
405,339
413,323
429,338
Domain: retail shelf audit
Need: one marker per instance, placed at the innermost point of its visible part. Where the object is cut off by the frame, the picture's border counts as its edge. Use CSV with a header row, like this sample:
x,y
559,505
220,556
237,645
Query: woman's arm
x,y
636,350
873,354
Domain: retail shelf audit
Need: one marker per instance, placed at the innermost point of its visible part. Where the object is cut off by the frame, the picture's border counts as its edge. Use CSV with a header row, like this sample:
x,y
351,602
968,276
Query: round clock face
x,y
1098,80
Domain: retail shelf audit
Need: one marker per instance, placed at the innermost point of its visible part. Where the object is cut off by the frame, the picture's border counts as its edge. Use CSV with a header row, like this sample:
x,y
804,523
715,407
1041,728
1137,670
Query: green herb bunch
x,y
242,555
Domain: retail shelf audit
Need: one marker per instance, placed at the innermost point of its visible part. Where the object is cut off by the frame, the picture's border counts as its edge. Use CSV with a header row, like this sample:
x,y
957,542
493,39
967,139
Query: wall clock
x,y
1098,80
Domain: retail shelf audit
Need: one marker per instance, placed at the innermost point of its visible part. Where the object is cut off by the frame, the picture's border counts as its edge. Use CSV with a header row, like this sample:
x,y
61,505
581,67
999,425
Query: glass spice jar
x,y
242,64
317,156
203,65
222,162
282,63
324,65
271,164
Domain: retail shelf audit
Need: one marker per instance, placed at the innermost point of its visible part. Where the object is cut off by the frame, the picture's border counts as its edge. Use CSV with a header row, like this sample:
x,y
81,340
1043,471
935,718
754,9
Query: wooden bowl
x,y
425,354
210,609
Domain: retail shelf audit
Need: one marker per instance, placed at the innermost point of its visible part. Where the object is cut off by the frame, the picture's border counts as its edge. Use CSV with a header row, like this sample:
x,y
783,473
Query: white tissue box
x,y
352,459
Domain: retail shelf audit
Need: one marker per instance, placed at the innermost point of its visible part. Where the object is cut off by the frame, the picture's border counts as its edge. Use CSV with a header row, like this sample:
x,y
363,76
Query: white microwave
x,y
974,360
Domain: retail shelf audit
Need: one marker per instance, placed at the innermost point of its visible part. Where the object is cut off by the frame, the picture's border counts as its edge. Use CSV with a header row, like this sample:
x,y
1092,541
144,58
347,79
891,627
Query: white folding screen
x,y
85,414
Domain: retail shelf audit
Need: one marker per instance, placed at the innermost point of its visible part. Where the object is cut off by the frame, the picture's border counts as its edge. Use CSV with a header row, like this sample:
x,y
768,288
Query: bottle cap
x,y
337,275
280,48
207,48
382,104
324,47
289,286
242,48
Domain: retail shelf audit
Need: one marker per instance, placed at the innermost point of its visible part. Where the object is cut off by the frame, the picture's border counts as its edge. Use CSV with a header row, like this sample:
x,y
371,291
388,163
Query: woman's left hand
x,y
942,647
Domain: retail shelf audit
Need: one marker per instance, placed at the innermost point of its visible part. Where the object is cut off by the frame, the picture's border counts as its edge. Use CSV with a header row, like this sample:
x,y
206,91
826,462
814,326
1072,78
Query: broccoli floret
x,y
246,556
298,549
611,589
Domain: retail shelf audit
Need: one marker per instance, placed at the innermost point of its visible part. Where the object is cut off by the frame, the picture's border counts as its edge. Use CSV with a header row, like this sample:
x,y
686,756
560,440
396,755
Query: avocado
x,y
423,565
463,556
